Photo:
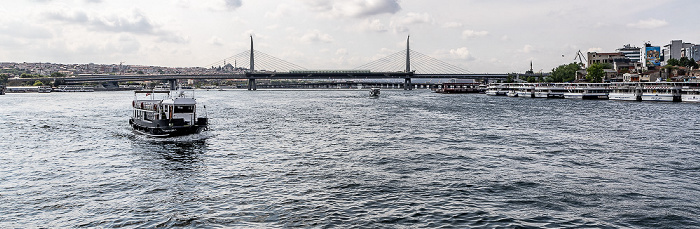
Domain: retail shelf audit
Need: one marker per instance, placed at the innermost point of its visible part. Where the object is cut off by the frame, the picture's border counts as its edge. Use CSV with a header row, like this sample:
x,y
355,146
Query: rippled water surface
x,y
340,159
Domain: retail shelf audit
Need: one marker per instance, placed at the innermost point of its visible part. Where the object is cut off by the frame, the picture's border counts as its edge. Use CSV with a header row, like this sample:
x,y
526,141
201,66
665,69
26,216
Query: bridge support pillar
x,y
407,84
251,85
173,84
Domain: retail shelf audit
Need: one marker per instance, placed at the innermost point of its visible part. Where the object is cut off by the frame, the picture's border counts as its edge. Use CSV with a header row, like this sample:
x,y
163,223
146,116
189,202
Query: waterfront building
x,y
631,52
651,56
678,49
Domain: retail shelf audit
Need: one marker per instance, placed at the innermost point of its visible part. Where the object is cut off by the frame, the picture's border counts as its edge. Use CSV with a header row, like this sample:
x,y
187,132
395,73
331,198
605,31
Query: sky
x,y
497,36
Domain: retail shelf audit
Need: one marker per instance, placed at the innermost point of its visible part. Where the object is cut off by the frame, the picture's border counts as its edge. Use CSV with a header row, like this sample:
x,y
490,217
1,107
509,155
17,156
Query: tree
x,y
510,79
38,83
3,78
58,75
595,73
564,73
685,62
673,62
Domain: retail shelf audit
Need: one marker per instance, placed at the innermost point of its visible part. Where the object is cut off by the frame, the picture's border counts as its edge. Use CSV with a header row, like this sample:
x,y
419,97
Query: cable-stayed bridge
x,y
254,65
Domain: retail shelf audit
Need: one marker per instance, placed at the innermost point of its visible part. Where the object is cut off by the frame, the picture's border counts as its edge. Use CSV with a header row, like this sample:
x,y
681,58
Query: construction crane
x,y
581,59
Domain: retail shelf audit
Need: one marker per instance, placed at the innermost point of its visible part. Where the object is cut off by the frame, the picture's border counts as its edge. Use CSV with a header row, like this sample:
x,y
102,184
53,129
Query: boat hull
x,y
690,98
167,128
659,97
623,96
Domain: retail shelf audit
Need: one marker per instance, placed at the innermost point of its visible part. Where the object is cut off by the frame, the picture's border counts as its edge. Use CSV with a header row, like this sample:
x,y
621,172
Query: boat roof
x,y
152,91
180,101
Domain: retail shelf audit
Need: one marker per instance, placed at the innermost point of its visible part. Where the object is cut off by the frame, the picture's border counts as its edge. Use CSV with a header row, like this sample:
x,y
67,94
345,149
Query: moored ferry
x,y
625,91
587,91
661,92
171,115
497,89
690,94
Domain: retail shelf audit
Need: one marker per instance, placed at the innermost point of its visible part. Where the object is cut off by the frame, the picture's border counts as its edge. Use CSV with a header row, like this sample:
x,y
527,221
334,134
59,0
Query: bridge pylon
x,y
407,81
251,81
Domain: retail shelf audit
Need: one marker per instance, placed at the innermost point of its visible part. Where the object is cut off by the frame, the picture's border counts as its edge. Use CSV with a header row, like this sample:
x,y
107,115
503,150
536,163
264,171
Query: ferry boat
x,y
496,89
74,88
459,88
540,91
374,92
173,115
661,92
587,91
45,89
526,91
690,94
626,92
512,93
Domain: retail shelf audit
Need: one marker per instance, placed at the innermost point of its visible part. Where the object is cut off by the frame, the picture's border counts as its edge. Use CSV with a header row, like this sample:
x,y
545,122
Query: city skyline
x,y
482,37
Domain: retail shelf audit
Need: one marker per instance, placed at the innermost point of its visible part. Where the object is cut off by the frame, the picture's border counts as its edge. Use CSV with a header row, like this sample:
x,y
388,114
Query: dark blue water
x,y
339,159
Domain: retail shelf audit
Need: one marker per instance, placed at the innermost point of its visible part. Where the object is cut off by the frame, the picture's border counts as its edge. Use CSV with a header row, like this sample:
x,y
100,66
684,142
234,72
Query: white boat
x,y
170,115
587,91
661,92
525,91
512,93
626,92
690,94
374,92
541,91
496,89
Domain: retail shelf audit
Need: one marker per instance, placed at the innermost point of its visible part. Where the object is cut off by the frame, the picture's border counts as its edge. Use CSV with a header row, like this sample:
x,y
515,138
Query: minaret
x,y
531,66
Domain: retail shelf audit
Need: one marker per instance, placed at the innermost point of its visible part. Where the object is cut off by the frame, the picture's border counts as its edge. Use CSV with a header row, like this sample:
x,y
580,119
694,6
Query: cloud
x,y
212,5
461,53
472,34
341,52
316,36
527,49
452,25
373,25
648,24
135,23
232,4
216,41
416,18
281,11
21,29
353,8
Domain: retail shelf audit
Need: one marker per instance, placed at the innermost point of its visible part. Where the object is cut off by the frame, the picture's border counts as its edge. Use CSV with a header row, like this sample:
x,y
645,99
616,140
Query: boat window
x,y
184,109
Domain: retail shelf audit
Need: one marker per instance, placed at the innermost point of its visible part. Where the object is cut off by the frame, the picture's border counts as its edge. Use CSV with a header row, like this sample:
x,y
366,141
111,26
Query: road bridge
x,y
363,72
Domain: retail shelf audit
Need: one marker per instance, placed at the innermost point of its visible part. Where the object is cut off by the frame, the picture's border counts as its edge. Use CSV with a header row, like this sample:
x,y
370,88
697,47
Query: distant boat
x,y
374,92
172,116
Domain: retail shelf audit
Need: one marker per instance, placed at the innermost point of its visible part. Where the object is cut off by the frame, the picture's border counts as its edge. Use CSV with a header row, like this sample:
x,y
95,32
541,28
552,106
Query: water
x,y
339,159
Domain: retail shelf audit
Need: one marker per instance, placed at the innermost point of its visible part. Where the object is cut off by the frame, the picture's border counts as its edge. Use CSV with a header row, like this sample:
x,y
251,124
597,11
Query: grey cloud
x,y
136,23
233,4
353,8
76,17
24,30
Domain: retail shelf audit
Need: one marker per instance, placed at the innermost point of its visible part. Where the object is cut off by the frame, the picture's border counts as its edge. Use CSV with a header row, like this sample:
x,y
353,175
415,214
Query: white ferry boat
x,y
173,115
587,91
525,91
625,91
690,94
541,91
661,92
512,93
74,88
496,89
